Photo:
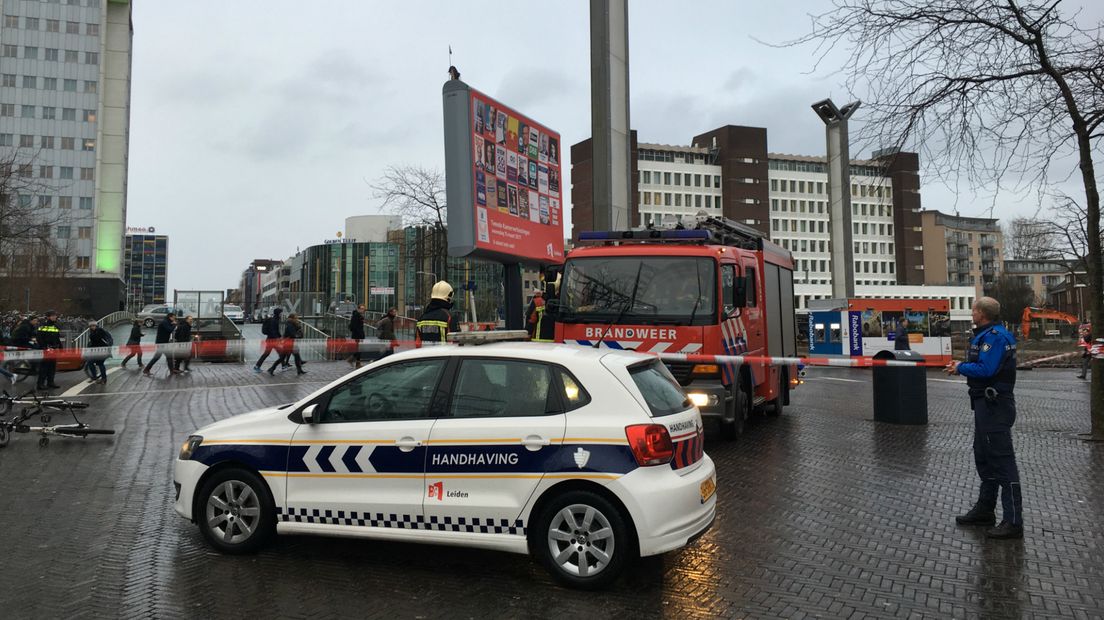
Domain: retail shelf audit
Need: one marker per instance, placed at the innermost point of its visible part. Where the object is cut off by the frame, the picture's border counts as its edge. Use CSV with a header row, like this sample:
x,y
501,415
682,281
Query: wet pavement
x,y
821,513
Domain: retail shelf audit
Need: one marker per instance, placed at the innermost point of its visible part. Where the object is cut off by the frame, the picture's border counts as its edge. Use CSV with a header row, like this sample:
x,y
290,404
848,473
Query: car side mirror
x,y
309,414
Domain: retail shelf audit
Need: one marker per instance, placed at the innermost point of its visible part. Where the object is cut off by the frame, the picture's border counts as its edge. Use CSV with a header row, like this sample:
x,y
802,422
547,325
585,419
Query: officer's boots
x,y
1005,530
980,514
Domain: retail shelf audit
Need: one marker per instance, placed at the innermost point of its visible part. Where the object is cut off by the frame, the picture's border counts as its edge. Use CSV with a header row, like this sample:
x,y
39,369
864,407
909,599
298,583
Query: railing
x,y
109,321
315,349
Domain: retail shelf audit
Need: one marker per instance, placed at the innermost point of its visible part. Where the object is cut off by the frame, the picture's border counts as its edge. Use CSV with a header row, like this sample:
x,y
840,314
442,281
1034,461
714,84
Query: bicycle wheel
x,y
5,436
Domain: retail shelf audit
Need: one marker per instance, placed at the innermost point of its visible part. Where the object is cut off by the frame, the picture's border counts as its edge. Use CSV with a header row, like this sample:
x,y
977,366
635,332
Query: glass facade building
x,y
398,273
145,261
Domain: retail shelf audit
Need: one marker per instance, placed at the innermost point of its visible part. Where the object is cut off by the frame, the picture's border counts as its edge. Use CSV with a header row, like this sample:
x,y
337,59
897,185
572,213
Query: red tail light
x,y
650,444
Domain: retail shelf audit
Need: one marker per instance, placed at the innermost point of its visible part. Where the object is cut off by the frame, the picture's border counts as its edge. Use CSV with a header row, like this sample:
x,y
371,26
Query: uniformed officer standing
x,y
48,337
990,372
436,321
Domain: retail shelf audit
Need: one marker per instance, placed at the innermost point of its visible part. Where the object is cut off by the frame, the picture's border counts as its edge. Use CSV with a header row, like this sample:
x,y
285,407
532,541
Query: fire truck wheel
x,y
774,407
732,424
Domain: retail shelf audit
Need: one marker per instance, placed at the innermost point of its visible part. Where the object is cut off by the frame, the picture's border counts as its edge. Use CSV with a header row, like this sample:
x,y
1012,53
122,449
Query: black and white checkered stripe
x,y
402,522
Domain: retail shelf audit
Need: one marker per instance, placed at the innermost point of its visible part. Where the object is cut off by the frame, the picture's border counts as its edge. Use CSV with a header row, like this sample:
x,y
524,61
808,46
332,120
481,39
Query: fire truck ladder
x,y
707,229
730,232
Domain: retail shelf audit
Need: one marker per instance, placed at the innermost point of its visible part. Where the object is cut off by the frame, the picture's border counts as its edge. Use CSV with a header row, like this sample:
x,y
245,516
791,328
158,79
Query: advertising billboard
x,y
502,180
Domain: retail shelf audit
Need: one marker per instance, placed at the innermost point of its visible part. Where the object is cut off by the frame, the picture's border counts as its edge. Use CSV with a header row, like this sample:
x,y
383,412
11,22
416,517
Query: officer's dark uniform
x,y
48,337
990,372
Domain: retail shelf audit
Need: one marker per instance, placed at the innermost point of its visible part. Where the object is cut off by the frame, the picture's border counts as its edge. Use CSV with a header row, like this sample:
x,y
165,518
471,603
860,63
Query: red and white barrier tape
x,y
215,349
201,349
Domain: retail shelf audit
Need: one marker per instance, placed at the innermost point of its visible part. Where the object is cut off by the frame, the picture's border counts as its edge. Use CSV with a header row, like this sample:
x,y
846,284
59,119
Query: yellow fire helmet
x,y
442,290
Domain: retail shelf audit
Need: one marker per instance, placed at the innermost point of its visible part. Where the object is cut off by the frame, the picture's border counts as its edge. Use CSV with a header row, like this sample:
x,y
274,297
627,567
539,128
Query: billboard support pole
x,y
612,189
514,296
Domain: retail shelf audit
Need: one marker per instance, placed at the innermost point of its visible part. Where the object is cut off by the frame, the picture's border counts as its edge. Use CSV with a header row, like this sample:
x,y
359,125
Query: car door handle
x,y
535,442
406,444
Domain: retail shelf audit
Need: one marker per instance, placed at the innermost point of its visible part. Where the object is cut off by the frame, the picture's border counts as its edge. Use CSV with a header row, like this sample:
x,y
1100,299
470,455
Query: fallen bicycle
x,y
34,405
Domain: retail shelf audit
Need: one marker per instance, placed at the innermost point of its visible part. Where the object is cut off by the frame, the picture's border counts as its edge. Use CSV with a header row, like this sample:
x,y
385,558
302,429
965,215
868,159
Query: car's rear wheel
x,y
235,512
583,540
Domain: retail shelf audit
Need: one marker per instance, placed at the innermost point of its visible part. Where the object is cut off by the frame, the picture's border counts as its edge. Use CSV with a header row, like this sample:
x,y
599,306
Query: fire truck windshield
x,y
640,290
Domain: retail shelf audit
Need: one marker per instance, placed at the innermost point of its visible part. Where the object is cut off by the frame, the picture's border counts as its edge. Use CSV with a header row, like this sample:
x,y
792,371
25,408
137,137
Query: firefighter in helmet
x,y
437,320
543,325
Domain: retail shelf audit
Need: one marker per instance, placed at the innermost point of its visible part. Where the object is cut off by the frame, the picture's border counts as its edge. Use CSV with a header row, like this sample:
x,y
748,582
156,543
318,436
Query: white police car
x,y
585,458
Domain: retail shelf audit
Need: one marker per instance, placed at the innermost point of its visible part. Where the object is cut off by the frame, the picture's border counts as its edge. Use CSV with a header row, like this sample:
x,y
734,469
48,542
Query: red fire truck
x,y
720,288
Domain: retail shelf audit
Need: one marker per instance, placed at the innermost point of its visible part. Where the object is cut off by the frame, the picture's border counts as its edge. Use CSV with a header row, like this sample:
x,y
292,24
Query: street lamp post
x,y
416,287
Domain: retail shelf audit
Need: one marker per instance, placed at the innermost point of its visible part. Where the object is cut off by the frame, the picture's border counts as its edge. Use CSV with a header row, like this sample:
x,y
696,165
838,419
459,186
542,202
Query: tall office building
x,y
145,259
64,129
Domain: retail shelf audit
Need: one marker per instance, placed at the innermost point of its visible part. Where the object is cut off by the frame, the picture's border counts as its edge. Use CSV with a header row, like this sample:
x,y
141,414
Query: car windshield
x,y
652,289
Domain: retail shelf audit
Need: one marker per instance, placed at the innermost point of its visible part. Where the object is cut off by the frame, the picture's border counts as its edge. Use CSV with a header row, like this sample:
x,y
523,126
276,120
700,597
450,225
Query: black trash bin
x,y
900,392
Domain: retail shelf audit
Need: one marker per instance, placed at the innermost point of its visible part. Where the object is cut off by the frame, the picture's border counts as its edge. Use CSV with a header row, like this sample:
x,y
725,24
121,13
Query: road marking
x,y
836,379
206,387
83,385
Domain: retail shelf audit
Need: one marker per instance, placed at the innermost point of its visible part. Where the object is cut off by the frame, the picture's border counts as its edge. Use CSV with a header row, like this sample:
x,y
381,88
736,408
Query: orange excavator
x,y
1043,313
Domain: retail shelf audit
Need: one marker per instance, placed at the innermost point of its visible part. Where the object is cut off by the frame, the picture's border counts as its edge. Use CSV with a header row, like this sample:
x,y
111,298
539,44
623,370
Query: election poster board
x,y
503,181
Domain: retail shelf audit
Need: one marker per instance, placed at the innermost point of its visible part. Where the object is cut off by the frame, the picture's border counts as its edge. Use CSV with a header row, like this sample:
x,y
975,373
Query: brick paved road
x,y
821,513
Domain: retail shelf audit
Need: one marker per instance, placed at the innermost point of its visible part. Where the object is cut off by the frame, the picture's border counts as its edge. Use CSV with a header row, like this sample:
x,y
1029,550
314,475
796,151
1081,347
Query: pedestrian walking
x,y
134,343
183,335
900,338
98,338
990,371
271,330
164,336
293,329
436,321
48,338
1086,354
356,332
385,330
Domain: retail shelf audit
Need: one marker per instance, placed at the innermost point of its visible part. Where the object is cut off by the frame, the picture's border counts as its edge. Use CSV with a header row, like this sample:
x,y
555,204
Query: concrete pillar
x,y
839,194
609,113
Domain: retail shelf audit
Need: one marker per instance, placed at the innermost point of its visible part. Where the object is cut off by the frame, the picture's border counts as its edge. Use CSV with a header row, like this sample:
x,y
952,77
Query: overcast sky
x,y
256,126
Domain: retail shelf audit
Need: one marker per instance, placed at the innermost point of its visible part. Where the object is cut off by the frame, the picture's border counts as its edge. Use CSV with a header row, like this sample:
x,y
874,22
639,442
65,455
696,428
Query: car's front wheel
x,y
148,322
583,540
235,512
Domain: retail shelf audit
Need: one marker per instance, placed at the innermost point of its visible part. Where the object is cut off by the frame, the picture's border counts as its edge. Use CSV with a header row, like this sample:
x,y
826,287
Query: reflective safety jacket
x,y
435,323
49,336
545,329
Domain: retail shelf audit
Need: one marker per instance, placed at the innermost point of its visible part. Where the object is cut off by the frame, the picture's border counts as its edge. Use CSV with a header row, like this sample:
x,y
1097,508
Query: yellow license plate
x,y
708,488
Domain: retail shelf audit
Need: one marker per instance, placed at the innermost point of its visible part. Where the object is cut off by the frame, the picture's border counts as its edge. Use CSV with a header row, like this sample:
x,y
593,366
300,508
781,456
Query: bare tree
x,y
418,195
1032,239
990,89
1013,294
29,249
1070,232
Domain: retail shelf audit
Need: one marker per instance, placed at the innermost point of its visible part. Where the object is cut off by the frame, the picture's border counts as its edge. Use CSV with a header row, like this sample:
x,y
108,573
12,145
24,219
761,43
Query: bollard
x,y
900,392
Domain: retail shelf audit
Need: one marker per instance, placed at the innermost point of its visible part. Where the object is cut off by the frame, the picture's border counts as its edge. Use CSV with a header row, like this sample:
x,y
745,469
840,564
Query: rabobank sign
x,y
854,324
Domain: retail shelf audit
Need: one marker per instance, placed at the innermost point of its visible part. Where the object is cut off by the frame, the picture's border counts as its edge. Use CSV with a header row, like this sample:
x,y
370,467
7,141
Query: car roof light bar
x,y
478,338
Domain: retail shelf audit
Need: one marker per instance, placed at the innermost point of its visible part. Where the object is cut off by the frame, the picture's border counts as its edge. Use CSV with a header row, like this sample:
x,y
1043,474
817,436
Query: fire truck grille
x,y
681,371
